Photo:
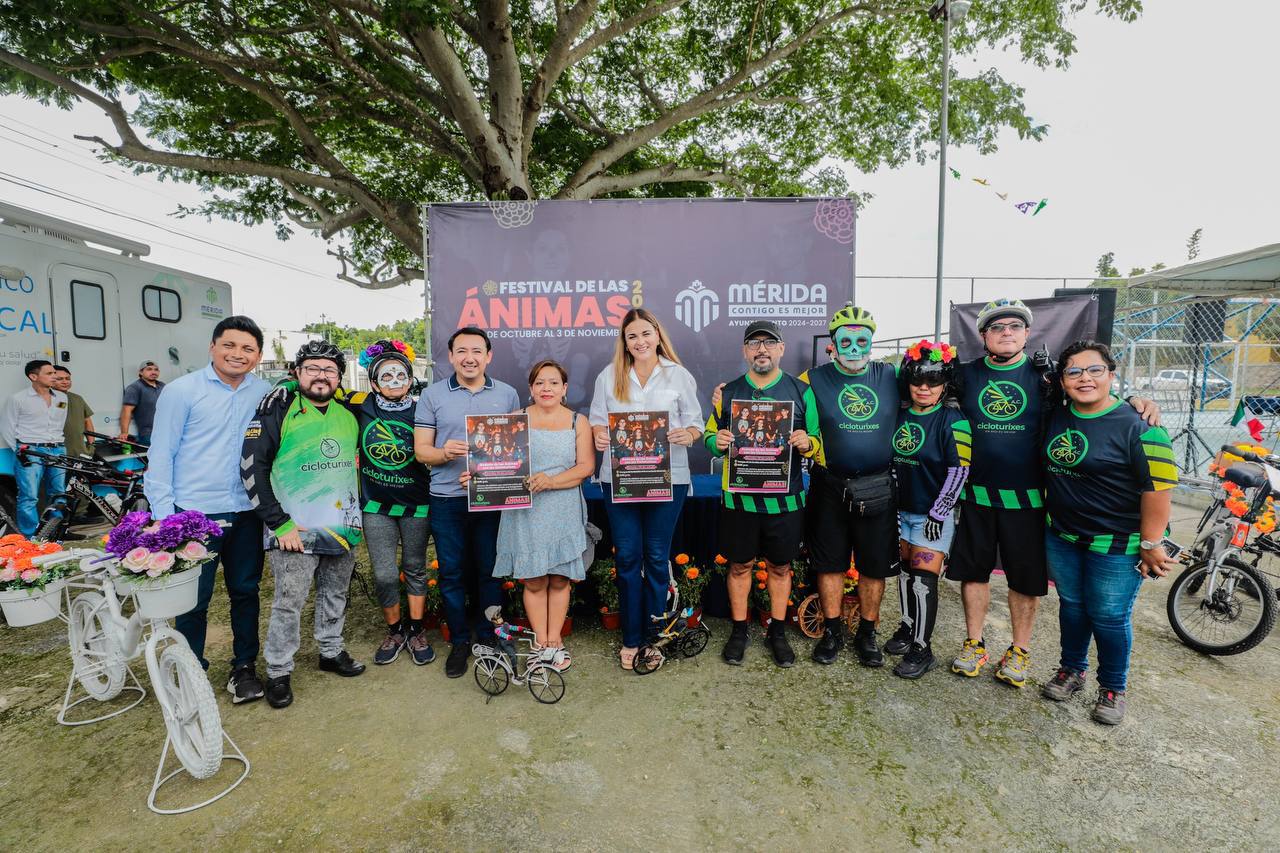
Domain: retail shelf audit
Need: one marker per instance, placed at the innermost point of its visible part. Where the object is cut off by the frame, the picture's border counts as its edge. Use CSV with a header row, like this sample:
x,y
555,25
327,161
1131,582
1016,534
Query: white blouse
x,y
670,388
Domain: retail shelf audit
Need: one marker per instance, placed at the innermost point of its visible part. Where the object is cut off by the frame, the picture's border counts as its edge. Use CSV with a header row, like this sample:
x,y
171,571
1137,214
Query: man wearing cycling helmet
x,y
1006,397
851,509
299,468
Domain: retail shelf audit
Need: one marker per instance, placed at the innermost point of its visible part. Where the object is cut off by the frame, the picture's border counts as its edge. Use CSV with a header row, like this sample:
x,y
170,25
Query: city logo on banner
x,y
697,307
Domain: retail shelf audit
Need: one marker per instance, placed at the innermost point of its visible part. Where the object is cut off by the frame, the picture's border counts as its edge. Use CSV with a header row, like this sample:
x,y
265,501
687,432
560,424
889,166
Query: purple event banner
x,y
552,279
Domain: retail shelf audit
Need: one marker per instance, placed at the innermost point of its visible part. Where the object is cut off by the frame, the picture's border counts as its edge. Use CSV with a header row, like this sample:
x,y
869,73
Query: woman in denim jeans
x,y
646,375
1108,490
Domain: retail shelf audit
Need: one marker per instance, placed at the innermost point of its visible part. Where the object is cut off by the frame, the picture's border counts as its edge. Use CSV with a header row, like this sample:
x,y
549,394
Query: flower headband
x,y
929,351
372,352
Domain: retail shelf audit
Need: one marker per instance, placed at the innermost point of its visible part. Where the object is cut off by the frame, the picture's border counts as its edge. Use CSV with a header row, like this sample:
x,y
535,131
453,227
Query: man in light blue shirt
x,y
194,463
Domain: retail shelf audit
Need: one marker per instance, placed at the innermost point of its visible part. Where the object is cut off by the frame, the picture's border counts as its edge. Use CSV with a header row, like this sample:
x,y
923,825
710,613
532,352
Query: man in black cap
x,y
765,526
139,403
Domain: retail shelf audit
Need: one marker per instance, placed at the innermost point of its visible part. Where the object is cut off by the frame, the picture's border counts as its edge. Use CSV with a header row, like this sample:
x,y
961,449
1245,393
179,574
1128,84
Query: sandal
x,y
556,657
627,658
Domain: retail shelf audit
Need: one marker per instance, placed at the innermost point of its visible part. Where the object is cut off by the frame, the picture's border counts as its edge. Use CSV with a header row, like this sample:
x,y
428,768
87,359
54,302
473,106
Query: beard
x,y
320,394
761,367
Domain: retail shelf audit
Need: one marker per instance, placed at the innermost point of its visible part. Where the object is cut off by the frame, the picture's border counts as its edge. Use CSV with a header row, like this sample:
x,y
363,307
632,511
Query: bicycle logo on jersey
x,y
858,402
1002,401
388,444
1068,448
908,439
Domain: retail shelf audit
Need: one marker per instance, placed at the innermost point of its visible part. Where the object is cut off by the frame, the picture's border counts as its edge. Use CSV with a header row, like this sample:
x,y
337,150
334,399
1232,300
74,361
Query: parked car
x,y
1180,380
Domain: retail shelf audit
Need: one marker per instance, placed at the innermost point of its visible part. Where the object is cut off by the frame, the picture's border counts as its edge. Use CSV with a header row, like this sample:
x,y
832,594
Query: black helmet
x,y
321,349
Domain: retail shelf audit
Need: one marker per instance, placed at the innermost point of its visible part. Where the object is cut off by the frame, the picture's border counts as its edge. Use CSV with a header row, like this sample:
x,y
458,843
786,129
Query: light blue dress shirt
x,y
194,460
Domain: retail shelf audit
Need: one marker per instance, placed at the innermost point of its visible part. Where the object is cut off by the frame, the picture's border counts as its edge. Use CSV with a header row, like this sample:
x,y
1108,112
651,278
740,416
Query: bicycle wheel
x,y
190,711
809,617
99,669
1235,618
52,529
491,676
694,641
648,659
546,685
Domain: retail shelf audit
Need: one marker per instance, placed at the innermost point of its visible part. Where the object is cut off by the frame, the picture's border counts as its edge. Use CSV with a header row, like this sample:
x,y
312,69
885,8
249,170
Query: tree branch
x,y
403,275
603,184
568,25
505,86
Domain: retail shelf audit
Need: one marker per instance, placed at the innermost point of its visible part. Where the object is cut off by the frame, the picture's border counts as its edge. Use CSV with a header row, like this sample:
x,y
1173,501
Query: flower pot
x,y
611,620
695,618
567,628
23,607
431,620
164,597
764,618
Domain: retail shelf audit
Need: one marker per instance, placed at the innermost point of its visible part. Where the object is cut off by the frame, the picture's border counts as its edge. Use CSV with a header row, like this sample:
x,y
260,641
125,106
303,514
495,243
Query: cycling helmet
x,y
1002,307
929,362
851,315
321,349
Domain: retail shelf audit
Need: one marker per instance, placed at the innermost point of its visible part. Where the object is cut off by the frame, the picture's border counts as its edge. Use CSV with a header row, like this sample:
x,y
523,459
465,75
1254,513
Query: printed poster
x,y
639,457
498,461
760,457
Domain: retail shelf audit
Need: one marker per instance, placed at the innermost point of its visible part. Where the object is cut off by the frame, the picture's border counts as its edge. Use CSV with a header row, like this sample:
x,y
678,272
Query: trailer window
x,y
161,304
88,311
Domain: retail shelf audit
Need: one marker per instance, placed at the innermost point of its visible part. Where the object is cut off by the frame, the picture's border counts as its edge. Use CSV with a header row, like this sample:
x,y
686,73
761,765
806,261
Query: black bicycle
x,y
84,489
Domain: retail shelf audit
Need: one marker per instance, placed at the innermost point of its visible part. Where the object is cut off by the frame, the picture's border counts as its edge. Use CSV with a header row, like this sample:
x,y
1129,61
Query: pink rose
x,y
136,560
193,551
8,574
31,575
159,563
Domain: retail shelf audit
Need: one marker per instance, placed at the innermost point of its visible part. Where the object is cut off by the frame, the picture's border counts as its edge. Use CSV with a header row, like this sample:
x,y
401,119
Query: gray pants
x,y
382,533
293,573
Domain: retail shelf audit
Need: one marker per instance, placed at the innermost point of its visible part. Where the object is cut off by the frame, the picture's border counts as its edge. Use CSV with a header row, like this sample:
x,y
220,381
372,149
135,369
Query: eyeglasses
x,y
1094,370
756,346
998,328
312,370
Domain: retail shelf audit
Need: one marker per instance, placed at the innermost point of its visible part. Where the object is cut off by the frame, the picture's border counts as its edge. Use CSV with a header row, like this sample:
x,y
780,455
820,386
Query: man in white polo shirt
x,y
35,417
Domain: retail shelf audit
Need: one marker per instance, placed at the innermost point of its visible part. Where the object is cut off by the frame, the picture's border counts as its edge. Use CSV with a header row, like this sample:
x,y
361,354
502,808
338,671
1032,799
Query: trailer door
x,y
86,335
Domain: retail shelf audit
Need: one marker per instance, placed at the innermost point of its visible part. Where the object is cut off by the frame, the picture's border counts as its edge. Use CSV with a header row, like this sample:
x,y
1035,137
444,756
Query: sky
x,y
1157,128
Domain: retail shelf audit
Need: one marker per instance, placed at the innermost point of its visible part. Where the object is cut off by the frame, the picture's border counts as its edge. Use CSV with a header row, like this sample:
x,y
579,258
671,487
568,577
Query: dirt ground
x,y
698,755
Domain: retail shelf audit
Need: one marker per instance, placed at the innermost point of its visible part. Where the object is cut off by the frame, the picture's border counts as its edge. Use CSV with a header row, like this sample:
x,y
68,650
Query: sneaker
x,y
973,657
279,693
455,666
342,663
783,655
736,646
1064,684
419,649
555,657
1013,666
900,642
867,646
392,643
244,685
917,661
829,647
1109,709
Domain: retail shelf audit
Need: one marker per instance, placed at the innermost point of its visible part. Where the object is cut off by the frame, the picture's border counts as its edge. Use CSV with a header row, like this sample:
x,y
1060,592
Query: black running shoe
x,y
736,646
783,655
279,693
866,645
244,685
828,648
900,642
455,666
916,662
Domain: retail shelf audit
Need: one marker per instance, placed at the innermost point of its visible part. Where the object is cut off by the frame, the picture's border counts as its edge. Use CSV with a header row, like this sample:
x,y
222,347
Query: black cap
x,y
762,327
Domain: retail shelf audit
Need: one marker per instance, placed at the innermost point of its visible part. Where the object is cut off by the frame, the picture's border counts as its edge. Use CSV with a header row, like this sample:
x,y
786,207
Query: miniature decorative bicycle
x,y
496,669
103,641
675,633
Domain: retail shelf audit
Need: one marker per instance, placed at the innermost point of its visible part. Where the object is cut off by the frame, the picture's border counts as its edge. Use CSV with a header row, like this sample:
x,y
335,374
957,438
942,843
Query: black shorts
x,y
989,537
748,536
834,532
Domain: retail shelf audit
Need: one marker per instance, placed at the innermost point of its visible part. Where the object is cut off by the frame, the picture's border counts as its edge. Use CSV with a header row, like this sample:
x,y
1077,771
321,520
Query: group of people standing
x,y
1005,460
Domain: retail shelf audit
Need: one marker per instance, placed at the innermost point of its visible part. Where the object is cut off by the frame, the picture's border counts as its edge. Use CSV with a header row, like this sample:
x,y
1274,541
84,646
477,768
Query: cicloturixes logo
x,y
1002,401
859,402
330,447
388,444
909,438
1068,448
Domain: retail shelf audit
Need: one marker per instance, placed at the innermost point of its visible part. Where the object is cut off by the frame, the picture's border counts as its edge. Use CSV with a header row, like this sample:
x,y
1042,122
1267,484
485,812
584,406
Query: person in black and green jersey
x,y
765,526
1005,396
1109,484
931,449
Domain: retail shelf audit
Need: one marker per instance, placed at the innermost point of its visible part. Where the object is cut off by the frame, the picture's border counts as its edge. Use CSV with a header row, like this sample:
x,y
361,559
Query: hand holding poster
x,y
760,456
498,462
639,456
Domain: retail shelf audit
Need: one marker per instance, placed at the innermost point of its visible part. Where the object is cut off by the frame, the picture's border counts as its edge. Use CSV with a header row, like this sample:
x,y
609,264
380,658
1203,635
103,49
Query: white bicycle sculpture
x,y
103,641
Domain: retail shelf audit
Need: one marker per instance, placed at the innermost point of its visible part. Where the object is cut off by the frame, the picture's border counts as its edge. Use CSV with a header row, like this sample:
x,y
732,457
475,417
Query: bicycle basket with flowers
x,y
16,569
150,549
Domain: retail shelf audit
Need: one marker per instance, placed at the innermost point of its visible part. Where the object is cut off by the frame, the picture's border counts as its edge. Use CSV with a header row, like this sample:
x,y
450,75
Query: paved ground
x,y
697,755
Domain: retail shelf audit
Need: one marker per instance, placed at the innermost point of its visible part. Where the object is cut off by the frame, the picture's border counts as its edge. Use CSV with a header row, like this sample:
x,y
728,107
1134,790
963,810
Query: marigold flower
x,y
851,573
691,573
761,575
432,582
682,559
720,560
759,586
508,585
760,565
435,564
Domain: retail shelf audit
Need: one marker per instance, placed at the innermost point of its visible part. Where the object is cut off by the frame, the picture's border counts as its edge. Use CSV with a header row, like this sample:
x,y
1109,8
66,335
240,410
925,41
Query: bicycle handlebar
x,y
67,556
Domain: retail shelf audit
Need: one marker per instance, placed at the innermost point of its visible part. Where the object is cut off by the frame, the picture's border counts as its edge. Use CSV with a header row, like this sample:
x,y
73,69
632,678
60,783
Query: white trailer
x,y
87,299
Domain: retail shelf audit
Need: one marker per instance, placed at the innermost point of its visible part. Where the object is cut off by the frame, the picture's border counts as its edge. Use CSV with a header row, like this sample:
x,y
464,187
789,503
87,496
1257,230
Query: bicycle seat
x,y
1246,476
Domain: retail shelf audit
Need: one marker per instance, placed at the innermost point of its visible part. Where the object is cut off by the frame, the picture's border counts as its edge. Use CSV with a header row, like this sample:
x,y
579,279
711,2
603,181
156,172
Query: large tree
x,y
342,116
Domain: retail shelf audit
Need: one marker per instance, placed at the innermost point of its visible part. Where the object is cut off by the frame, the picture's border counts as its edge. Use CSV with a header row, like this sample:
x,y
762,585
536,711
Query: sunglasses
x,y
999,328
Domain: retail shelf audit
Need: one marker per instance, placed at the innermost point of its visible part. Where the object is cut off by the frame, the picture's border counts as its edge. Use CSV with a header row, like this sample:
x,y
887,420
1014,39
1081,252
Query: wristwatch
x,y
1148,545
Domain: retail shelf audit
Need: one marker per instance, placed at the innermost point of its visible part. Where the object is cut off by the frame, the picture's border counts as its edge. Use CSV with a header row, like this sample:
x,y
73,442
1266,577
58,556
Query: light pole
x,y
948,10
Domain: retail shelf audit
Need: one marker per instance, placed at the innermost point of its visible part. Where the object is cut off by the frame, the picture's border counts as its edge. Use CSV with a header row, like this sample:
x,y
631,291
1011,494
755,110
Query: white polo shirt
x,y
670,388
27,419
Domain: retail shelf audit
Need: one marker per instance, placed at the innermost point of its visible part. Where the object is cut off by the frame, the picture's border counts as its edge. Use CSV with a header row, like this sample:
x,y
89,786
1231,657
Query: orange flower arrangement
x,y
760,586
432,582
435,564
691,573
760,565
682,559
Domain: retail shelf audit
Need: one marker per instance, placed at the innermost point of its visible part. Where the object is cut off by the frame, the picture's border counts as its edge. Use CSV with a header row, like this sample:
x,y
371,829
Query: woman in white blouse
x,y
646,375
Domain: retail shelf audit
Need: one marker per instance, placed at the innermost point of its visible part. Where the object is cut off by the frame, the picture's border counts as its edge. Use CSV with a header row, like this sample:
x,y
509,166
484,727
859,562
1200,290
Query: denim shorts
x,y
911,530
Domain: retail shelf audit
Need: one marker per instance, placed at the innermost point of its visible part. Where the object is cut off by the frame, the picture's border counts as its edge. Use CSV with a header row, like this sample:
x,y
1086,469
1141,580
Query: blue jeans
x,y
466,547
642,536
239,550
29,478
1096,593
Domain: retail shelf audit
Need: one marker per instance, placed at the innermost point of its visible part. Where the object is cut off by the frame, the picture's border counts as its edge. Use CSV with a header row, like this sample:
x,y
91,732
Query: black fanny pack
x,y
871,494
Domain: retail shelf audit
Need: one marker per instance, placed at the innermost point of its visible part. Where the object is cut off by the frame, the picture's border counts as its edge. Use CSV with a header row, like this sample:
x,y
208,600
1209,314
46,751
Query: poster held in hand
x,y
639,457
498,462
760,456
